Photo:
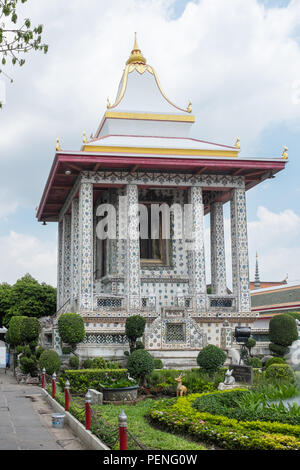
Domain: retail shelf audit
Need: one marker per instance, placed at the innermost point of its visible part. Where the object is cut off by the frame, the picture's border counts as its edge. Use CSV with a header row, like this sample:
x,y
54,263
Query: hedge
x,y
179,416
83,379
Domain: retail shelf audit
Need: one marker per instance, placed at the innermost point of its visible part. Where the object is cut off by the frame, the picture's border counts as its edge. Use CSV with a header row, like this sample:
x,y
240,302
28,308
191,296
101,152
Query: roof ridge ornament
x,y
136,56
284,153
237,143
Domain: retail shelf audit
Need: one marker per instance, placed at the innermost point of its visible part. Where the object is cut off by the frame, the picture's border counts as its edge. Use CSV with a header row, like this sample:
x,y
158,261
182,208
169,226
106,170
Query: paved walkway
x,y
25,420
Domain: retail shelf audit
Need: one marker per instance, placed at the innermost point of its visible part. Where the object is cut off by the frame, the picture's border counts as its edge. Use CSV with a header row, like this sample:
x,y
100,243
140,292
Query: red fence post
x,y
123,430
67,395
88,411
43,377
53,385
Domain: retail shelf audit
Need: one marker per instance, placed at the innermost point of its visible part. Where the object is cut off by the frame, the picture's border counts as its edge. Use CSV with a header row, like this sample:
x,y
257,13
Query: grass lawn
x,y
149,436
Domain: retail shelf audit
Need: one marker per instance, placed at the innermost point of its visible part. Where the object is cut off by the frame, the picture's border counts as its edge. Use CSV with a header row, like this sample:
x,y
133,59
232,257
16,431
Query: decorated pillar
x,y
133,283
66,258
86,246
217,248
59,300
194,233
239,248
74,253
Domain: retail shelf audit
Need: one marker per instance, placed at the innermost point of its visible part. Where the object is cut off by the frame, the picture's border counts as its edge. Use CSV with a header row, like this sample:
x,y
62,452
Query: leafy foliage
x,y
134,329
158,364
211,358
255,362
280,372
27,297
83,379
275,360
74,362
51,361
71,329
140,364
283,330
98,363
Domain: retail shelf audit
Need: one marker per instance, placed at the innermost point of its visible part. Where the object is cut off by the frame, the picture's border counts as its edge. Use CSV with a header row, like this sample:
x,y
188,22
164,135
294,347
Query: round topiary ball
x,y
283,330
275,360
280,373
51,361
211,358
74,362
140,364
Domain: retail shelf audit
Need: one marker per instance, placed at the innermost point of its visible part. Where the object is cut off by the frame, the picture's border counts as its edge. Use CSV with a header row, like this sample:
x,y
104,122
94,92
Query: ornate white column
x,y
59,266
86,246
239,244
66,257
196,254
74,251
217,249
132,274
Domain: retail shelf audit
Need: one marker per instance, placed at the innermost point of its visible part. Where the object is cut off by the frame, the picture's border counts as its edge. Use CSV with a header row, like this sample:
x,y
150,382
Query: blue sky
x,y
239,63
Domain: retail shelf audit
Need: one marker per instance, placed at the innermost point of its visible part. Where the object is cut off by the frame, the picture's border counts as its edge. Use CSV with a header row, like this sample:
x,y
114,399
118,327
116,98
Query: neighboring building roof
x,y
276,299
267,284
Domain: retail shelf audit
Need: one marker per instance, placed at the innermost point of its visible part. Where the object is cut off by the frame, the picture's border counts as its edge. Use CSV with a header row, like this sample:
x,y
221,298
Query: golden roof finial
x,y
284,153
237,143
108,103
136,56
189,108
58,147
84,140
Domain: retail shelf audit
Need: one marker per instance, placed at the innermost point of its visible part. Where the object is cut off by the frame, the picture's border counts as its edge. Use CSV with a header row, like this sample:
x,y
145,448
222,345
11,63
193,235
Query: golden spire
x,y
136,56
284,153
237,144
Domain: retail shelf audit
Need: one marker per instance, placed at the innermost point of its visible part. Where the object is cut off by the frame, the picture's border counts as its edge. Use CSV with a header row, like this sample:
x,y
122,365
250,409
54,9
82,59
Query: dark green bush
x,y
211,358
140,364
158,364
87,364
280,373
139,345
74,362
283,330
278,349
83,379
28,364
39,351
255,362
98,363
71,329
51,361
66,350
275,360
113,365
134,329
14,334
30,330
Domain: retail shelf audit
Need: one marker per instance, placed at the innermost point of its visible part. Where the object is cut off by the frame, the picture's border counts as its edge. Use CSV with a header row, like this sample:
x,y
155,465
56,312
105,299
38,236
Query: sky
x,y
237,61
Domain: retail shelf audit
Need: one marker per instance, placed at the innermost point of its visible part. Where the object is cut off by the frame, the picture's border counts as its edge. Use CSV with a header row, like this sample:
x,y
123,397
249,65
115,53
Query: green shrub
x,y
14,335
51,361
74,362
113,365
66,350
98,363
83,379
87,364
275,360
280,372
71,329
30,330
134,329
140,364
278,349
39,351
282,331
139,345
255,362
28,365
211,358
158,364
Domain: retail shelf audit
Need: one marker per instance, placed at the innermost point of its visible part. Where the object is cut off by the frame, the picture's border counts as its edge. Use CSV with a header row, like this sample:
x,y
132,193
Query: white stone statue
x,y
229,381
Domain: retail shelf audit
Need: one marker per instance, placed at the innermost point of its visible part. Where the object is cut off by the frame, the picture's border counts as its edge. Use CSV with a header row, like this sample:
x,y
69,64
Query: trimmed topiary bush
x,y
255,362
66,350
158,364
74,362
28,365
134,329
98,363
39,351
140,364
275,360
71,329
282,332
30,330
280,373
211,358
51,361
278,349
87,364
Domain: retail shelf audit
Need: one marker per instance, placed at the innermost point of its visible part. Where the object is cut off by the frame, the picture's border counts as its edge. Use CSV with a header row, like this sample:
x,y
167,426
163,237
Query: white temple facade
x,y
141,160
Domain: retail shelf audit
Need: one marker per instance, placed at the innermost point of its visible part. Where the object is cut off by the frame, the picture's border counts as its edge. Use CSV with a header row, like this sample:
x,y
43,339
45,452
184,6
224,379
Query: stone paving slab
x,y
26,421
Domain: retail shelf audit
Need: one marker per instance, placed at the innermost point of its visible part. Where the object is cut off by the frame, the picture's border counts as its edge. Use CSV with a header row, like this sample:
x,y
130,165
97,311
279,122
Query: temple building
x,y
141,156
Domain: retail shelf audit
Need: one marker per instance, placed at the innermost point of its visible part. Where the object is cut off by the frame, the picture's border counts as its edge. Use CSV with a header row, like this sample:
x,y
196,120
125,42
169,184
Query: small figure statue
x,y
181,389
229,379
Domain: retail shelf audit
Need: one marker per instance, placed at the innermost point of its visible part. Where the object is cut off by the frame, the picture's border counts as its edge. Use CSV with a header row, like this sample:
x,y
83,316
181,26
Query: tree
x,y
17,38
134,329
5,292
211,358
140,364
71,329
29,298
250,344
282,333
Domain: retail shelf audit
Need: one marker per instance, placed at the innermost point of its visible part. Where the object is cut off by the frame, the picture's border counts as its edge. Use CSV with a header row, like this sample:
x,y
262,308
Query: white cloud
x,y
21,254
